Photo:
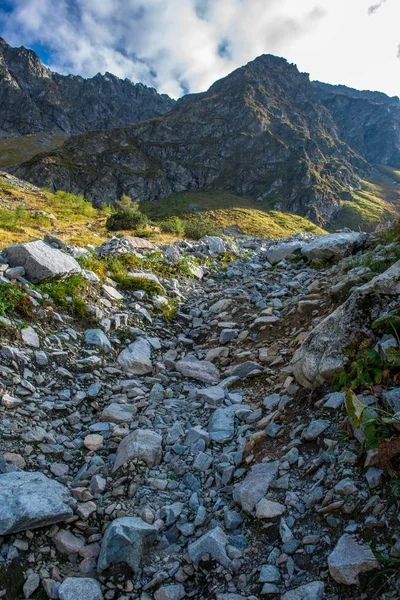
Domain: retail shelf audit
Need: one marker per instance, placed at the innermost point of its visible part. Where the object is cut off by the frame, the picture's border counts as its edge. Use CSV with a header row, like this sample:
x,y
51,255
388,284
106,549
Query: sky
x,y
181,46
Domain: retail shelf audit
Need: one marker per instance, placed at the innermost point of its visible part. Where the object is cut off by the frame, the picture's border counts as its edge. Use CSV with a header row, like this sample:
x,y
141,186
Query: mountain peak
x,y
260,131
35,99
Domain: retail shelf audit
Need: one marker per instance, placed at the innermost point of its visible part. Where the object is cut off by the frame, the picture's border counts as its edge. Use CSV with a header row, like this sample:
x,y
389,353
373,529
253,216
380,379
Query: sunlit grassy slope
x,y
27,214
378,201
15,150
226,210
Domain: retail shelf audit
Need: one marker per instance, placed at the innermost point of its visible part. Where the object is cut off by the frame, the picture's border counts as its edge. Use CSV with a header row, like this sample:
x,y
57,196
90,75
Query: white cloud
x,y
374,7
181,45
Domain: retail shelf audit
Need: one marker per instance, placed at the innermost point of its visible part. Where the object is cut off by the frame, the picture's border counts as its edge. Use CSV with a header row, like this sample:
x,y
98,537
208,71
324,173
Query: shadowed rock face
x,y
368,121
260,131
33,99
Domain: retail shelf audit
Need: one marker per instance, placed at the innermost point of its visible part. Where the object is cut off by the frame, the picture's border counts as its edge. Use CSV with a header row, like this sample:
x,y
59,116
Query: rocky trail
x,y
204,457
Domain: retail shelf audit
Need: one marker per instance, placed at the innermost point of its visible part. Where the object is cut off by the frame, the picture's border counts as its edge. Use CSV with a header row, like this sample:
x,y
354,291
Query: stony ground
x,y
183,460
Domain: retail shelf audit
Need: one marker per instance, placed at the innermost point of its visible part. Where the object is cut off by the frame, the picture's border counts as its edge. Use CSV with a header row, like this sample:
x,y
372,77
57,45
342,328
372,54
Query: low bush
x,y
72,294
173,225
126,219
12,298
198,229
126,282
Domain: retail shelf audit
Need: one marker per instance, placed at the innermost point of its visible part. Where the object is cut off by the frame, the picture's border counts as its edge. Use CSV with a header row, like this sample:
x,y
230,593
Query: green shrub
x,y
143,232
173,225
126,282
169,310
66,200
198,229
11,298
71,293
126,219
126,203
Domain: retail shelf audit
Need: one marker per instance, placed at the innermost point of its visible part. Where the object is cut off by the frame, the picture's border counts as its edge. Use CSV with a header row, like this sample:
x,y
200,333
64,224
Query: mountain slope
x,y
368,121
33,99
259,131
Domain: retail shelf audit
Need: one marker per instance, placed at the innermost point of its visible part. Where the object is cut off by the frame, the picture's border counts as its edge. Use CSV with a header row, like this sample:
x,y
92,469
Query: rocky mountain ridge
x,y
33,99
207,456
259,131
264,132
368,121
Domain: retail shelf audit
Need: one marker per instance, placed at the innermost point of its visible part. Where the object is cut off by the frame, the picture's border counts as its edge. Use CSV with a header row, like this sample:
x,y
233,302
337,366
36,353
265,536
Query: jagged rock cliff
x,y
368,121
260,131
33,99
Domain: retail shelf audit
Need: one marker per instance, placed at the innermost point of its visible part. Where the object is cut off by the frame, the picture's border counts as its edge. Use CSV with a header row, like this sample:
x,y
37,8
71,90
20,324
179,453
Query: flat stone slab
x,y
201,370
309,591
275,254
118,413
80,588
143,444
136,358
334,245
266,509
349,559
244,369
40,261
221,425
31,500
255,485
97,337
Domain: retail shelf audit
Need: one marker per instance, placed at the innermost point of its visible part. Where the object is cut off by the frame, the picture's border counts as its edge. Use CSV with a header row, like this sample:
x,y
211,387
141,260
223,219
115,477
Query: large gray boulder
x,y
349,559
215,244
275,254
321,354
309,591
255,485
118,413
214,543
30,500
136,358
125,541
334,246
82,588
143,444
221,425
173,591
40,261
97,337
201,370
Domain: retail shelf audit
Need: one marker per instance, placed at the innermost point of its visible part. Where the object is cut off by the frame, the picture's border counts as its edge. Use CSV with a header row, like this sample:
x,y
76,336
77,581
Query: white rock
x,y
221,425
202,370
30,500
30,337
335,245
136,358
174,591
349,559
309,591
80,588
31,584
255,485
118,413
266,509
97,337
275,254
143,444
40,261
